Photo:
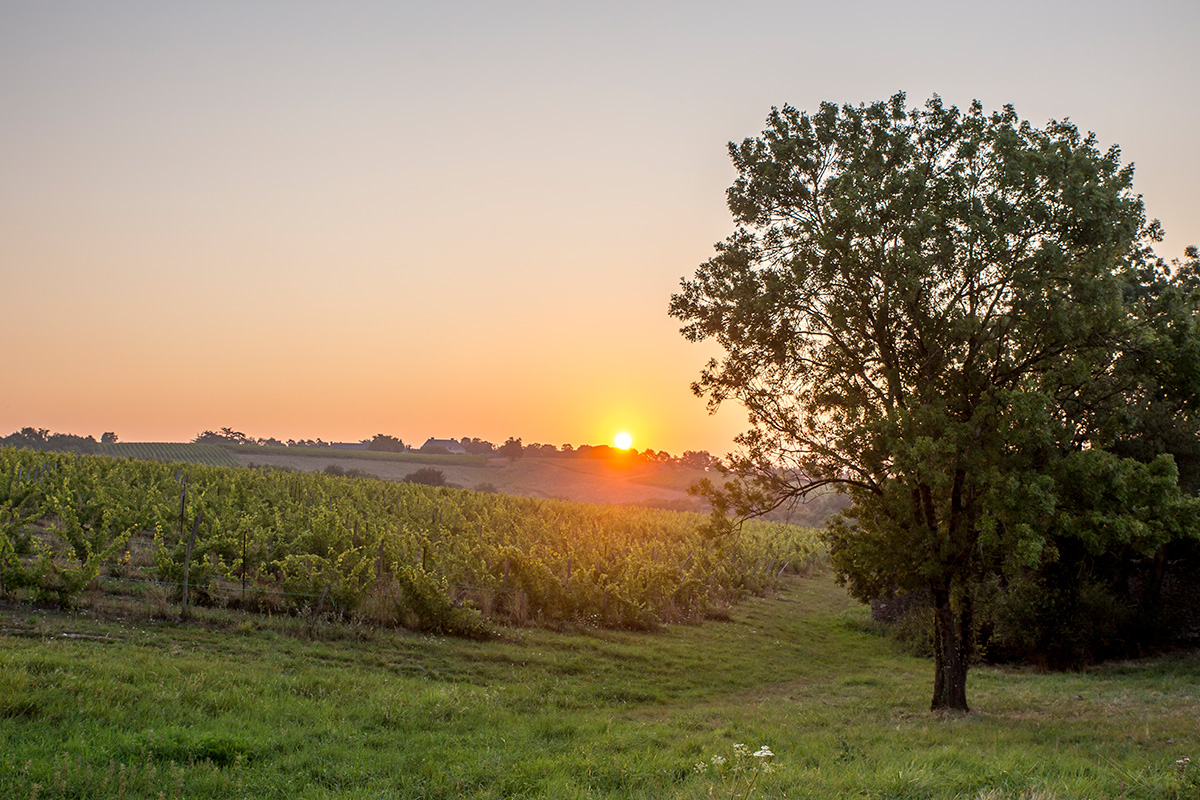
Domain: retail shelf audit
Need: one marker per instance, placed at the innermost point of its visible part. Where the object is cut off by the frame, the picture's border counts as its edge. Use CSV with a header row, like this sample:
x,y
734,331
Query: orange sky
x,y
305,220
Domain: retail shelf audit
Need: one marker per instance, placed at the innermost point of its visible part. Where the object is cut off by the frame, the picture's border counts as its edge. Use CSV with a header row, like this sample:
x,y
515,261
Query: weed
x,y
1187,780
736,776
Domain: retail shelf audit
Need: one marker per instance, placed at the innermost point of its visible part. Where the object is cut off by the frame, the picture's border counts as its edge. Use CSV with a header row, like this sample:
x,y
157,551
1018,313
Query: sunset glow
x,y
425,220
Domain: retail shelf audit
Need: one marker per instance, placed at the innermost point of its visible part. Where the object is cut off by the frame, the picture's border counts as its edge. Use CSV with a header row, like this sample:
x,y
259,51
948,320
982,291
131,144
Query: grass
x,y
248,706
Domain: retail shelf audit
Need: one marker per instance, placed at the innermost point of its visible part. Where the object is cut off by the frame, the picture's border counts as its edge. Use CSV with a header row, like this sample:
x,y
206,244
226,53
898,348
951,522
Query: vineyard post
x,y
312,619
182,499
321,602
187,560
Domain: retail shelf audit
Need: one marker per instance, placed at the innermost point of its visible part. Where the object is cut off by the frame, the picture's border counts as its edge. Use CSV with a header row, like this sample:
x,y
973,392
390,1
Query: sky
x,y
332,220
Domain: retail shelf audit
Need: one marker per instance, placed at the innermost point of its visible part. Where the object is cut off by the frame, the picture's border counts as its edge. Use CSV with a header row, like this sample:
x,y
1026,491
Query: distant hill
x,y
586,480
582,479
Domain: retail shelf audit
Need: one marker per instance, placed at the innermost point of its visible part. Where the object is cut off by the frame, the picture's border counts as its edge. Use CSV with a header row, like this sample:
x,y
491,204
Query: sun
x,y
623,440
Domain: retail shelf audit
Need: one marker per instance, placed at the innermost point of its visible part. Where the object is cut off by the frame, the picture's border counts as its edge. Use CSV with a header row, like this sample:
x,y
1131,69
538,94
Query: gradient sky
x,y
467,218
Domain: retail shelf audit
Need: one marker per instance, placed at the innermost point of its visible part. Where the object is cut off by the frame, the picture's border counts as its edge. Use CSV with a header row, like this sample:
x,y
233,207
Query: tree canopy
x,y
955,317
382,442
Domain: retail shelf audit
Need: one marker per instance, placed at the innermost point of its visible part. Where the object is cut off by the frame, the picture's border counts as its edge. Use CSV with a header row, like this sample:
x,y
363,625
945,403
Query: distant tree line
x,y
231,436
513,448
43,439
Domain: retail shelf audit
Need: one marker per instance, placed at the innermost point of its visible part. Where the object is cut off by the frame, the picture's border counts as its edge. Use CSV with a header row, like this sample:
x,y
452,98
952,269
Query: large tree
x,y
937,311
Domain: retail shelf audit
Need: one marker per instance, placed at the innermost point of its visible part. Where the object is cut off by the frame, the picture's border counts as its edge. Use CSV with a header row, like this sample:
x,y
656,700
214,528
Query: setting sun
x,y
623,440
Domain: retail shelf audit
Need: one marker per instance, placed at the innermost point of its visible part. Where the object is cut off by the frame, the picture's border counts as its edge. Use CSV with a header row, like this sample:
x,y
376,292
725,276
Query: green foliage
x,y
426,476
427,557
955,317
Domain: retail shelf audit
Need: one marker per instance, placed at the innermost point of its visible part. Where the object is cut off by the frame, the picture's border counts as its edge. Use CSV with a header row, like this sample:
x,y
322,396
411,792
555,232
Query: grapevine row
x,y
386,552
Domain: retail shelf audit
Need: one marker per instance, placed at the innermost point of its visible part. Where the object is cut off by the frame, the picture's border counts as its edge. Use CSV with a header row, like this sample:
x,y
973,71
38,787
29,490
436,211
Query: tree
x,y
387,444
511,449
697,459
476,446
223,436
33,438
43,439
108,437
935,311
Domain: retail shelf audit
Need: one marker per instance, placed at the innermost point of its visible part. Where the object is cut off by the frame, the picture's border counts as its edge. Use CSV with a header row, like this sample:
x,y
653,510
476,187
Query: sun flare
x,y
623,440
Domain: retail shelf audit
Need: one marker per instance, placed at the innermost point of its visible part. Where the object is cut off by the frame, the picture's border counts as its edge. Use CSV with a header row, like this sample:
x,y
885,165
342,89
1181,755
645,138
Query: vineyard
x,y
384,553
326,453
211,454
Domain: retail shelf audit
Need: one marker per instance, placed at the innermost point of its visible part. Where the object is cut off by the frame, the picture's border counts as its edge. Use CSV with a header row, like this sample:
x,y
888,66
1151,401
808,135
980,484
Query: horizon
x,y
468,219
414,444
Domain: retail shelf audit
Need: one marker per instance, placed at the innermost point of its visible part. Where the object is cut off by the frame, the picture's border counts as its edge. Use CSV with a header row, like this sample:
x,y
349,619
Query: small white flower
x,y
718,760
741,748
763,752
700,768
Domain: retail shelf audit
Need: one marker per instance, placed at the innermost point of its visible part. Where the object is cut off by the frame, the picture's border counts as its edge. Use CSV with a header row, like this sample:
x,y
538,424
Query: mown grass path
x,y
250,707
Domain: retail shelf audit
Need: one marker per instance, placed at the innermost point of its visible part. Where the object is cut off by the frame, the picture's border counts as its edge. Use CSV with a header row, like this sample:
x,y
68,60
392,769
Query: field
x,y
323,453
293,676
579,479
391,553
210,454
236,705
612,481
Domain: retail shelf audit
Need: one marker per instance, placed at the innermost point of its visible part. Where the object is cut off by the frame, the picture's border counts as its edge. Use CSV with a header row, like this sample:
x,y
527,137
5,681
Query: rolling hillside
x,y
584,480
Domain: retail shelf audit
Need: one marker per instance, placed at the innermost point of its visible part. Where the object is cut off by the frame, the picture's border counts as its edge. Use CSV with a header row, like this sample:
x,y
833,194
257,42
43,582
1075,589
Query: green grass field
x,y
249,706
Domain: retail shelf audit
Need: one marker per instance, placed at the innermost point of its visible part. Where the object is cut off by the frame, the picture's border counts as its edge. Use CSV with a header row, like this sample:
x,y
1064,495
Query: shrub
x,y
426,476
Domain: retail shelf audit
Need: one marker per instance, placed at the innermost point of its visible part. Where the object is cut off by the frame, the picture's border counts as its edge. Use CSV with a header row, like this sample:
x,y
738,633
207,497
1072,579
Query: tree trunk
x,y
1152,602
952,645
